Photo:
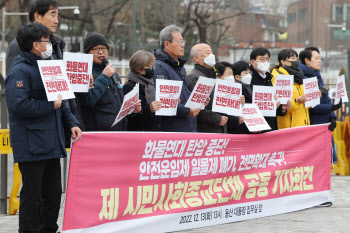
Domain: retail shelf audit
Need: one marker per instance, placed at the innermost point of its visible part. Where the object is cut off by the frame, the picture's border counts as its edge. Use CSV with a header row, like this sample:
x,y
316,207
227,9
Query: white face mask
x,y
210,60
263,66
229,78
48,52
247,79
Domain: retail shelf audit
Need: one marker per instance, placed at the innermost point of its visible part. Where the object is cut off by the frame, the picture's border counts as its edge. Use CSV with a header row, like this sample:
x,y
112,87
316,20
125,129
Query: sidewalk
x,y
318,219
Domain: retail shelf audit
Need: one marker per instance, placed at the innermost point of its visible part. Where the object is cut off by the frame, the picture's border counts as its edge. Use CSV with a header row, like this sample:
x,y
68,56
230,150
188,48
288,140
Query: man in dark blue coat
x,y
101,105
324,112
36,132
169,65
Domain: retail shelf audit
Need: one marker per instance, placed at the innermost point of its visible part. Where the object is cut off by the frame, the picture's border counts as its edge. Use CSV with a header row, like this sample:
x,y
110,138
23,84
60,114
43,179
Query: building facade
x,y
320,23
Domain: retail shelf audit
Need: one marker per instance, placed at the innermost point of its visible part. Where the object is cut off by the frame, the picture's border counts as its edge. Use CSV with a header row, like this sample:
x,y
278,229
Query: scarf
x,y
298,74
150,89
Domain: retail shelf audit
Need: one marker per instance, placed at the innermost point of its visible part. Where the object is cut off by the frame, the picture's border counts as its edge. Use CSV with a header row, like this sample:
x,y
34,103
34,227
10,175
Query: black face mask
x,y
149,72
295,64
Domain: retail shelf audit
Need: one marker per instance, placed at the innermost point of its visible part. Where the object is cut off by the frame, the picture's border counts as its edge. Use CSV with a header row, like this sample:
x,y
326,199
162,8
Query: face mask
x,y
295,64
48,52
149,73
210,60
263,66
229,78
247,79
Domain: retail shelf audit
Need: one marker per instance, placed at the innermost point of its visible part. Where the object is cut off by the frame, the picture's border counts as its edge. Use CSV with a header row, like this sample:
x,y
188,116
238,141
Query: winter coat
x,y
257,80
297,114
321,113
101,105
36,128
167,68
146,120
207,120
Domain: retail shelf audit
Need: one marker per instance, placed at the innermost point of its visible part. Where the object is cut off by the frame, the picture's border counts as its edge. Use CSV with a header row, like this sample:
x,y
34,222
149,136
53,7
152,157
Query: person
x,y
37,134
297,115
141,72
224,72
169,65
101,104
241,69
46,13
259,65
324,112
207,120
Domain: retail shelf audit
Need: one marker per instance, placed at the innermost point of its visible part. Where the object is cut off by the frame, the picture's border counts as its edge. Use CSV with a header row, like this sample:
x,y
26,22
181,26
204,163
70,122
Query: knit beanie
x,y
92,39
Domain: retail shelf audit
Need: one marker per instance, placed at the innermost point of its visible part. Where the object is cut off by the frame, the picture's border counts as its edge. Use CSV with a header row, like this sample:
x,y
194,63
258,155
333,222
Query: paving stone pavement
x,y
317,219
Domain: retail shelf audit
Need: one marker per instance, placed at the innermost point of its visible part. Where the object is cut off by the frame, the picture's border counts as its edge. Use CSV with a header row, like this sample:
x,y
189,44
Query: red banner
x,y
159,182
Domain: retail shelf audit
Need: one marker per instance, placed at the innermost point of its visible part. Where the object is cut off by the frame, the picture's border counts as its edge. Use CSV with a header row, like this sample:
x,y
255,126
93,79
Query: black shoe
x,y
327,204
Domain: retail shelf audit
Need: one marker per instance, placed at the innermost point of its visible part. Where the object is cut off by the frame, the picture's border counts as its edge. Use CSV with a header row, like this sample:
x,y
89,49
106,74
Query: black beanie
x,y
92,39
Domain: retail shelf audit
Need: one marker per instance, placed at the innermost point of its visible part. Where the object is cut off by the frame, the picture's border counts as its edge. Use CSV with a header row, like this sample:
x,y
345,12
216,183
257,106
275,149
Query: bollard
x,y
13,201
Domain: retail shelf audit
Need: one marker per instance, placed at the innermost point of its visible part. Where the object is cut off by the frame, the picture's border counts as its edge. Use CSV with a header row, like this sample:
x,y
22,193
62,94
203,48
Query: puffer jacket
x,y
297,114
167,68
36,128
321,113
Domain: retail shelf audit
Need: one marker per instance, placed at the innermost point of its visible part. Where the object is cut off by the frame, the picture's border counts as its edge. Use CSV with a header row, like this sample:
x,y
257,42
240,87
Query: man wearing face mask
x,y
297,115
204,59
259,65
37,134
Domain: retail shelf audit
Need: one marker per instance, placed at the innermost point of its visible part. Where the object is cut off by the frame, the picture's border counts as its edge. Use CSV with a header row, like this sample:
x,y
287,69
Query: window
x,y
303,14
292,17
339,13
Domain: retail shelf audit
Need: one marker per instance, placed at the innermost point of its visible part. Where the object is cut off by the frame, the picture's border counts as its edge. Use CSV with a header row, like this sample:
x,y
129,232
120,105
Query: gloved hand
x,y
337,106
333,124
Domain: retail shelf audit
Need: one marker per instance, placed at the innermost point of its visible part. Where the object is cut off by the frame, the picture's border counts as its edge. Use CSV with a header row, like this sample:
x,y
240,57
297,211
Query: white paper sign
x,y
55,79
283,87
200,93
226,98
341,91
253,118
129,103
168,92
264,98
311,91
79,68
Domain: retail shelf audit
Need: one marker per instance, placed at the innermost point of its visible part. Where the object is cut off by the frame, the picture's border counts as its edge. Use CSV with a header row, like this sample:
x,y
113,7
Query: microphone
x,y
105,63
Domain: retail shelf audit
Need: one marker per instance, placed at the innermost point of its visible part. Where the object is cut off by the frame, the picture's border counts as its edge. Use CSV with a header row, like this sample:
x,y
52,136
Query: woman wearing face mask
x,y
224,71
297,115
141,71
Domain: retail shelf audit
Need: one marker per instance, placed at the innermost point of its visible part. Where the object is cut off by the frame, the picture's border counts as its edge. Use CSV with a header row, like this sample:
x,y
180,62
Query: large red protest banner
x,y
161,182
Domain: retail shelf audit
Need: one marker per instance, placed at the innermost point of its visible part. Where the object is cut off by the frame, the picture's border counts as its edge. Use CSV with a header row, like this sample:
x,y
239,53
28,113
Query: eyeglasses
x,y
180,42
97,50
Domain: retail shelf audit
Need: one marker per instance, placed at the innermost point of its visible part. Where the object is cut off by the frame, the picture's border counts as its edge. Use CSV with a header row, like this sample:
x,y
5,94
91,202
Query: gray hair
x,y
194,52
166,34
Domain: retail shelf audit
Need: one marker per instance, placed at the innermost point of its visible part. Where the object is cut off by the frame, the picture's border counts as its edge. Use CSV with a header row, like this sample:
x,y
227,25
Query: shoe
x,y
327,204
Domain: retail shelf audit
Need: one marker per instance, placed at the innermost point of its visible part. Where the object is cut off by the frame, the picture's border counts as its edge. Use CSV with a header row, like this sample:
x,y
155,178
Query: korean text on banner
x,y
311,91
341,90
55,79
226,98
253,118
164,182
200,93
283,87
168,92
79,68
129,103
264,98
